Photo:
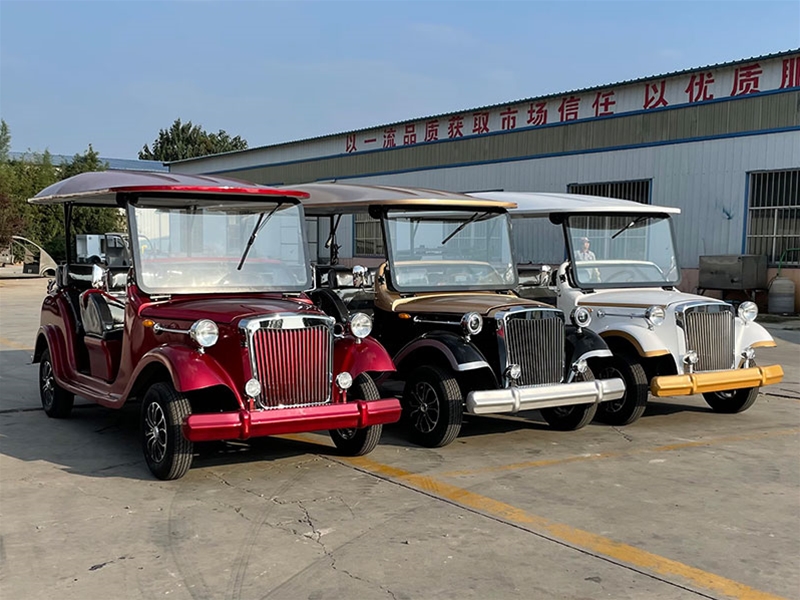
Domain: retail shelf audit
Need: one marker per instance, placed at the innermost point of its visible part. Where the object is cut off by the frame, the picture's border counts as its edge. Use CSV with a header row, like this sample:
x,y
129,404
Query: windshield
x,y
453,250
622,251
198,246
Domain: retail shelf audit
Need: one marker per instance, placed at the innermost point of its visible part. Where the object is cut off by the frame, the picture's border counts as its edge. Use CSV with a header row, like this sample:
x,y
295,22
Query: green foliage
x,y
184,140
23,178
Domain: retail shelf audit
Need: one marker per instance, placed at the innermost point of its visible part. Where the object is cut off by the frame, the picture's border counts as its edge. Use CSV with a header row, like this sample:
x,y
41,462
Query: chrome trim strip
x,y
470,366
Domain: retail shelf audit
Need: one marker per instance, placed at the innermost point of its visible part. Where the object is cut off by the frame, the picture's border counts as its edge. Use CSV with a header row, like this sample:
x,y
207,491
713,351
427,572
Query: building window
x,y
368,237
773,219
636,190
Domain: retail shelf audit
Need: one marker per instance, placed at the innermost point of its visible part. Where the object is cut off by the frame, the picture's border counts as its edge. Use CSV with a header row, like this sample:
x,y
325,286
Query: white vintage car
x,y
620,276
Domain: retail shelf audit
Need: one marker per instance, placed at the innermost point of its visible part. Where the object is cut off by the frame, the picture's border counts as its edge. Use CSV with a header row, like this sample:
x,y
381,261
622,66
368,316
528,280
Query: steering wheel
x,y
626,276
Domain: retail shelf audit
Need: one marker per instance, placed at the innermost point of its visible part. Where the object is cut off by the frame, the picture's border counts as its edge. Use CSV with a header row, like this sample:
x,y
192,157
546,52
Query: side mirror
x,y
360,276
99,277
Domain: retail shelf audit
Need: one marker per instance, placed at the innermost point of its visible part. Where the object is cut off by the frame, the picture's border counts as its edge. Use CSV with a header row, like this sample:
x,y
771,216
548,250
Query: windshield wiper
x,y
636,221
472,219
262,220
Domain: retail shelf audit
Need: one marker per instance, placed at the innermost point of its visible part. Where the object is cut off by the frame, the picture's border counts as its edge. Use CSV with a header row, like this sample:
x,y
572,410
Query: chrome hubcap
x,y
424,407
155,432
48,385
615,405
347,434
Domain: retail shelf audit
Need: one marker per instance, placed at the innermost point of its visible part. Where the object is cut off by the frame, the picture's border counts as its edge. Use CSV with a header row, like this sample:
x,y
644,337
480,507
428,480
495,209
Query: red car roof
x,y
100,188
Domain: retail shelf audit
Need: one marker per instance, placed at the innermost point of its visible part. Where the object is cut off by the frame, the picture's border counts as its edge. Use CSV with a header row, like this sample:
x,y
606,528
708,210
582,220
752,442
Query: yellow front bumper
x,y
717,381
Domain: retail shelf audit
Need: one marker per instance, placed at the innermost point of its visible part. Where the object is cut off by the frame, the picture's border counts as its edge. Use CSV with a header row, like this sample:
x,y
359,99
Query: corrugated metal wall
x,y
707,180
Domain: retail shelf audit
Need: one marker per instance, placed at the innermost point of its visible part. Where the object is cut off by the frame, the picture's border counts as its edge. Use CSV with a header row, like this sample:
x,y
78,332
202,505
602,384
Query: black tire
x,y
167,452
631,406
571,418
733,401
357,442
433,407
56,401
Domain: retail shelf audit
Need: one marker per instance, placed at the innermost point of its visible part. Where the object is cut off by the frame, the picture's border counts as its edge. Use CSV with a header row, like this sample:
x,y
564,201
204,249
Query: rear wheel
x,y
167,452
357,442
433,407
571,418
631,406
733,401
56,401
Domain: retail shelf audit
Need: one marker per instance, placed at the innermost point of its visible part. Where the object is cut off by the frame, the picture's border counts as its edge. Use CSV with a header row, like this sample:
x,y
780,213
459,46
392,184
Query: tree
x,y
25,177
184,140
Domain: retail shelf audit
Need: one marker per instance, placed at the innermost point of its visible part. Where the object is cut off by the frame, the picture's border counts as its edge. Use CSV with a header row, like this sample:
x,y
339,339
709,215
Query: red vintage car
x,y
210,327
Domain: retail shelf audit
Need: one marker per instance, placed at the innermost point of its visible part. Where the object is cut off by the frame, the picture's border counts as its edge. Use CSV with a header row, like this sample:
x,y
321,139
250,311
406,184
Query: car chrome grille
x,y
293,365
709,332
535,341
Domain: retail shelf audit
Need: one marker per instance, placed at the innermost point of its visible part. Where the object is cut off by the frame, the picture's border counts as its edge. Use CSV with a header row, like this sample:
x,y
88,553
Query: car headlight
x,y
204,332
472,323
748,311
360,325
581,316
655,314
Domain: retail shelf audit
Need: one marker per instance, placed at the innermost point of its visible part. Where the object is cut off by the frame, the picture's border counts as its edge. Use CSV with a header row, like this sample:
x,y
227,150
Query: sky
x,y
113,73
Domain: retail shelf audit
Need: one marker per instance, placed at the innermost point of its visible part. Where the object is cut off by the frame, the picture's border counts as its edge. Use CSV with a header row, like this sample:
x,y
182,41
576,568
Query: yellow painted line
x,y
548,462
13,344
559,532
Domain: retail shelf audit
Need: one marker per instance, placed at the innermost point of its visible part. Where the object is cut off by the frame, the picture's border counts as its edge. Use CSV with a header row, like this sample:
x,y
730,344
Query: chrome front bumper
x,y
515,399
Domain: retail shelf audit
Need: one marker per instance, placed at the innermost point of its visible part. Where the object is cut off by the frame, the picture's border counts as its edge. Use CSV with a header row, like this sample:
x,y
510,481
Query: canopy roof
x,y
534,204
335,198
99,188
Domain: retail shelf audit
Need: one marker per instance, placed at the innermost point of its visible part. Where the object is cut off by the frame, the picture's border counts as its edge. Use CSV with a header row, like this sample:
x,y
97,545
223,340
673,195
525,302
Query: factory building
x,y
721,142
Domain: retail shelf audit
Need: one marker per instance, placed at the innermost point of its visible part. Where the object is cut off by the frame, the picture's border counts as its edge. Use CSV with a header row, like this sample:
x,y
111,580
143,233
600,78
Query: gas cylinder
x,y
780,300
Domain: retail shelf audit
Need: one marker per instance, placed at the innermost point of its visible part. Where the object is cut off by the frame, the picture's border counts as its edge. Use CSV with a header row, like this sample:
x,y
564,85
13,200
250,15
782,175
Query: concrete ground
x,y
683,504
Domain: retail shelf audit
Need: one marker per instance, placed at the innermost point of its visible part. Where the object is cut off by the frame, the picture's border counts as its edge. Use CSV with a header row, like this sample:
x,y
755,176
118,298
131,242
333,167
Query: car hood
x,y
462,302
226,310
640,298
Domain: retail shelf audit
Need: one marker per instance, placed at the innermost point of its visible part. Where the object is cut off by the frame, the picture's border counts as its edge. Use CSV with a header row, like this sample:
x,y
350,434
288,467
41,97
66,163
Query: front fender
x,y
646,342
357,357
460,354
189,370
753,335
50,337
585,344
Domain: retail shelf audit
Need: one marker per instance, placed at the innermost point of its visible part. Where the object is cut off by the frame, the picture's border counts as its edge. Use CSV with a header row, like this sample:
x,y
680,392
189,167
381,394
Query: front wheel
x,y
167,452
733,401
631,406
571,418
357,442
56,401
433,407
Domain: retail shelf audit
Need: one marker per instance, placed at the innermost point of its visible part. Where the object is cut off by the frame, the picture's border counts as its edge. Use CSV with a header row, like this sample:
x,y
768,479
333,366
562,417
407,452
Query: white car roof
x,y
536,204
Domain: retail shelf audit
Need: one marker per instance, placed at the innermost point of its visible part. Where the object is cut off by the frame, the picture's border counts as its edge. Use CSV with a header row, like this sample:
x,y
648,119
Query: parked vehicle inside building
x,y
622,267
443,305
210,327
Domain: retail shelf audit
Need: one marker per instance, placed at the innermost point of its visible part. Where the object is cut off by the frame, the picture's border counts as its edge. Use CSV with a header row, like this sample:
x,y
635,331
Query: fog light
x,y
580,367
344,380
690,358
252,388
748,355
514,372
